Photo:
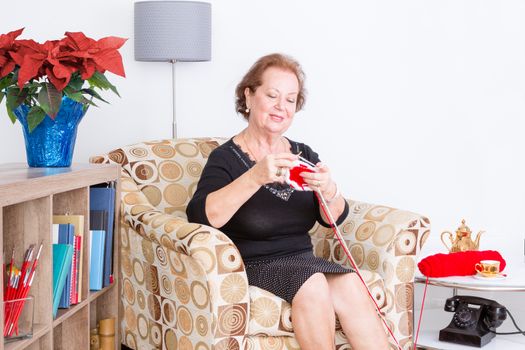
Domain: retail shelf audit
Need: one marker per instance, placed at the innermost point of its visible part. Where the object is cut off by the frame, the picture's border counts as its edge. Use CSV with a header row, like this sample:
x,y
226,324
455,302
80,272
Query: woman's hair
x,y
253,79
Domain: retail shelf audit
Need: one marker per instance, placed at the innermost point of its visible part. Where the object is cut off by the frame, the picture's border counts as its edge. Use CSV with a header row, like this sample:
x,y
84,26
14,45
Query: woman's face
x,y
272,105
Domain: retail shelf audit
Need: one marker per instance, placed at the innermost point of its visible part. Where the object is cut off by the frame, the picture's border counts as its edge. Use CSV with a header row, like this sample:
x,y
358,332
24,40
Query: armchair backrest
x,y
166,171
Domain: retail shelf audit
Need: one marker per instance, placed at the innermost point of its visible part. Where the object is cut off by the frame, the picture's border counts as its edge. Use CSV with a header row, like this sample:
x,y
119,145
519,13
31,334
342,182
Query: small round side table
x,y
435,319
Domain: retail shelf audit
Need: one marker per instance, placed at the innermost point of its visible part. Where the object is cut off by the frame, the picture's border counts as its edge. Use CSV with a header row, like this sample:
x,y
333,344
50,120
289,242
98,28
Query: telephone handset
x,y
473,319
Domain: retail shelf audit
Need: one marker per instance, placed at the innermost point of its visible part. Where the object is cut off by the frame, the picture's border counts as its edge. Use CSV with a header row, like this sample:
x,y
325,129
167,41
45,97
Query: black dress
x,y
271,228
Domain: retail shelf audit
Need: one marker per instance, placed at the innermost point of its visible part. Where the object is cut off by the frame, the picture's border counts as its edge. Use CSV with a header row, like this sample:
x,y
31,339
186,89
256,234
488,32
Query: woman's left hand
x,y
321,180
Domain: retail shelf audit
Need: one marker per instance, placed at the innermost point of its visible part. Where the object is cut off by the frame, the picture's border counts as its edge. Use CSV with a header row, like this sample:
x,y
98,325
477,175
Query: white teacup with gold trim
x,y
488,268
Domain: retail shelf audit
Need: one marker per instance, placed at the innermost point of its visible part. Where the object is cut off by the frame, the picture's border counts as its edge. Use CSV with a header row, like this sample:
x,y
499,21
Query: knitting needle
x,y
306,161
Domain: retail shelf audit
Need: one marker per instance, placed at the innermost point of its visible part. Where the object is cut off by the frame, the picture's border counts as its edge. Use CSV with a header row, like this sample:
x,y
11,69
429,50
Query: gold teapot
x,y
463,240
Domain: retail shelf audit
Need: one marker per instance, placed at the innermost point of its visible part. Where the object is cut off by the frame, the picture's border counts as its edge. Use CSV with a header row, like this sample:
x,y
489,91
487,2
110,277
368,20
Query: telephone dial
x,y
473,319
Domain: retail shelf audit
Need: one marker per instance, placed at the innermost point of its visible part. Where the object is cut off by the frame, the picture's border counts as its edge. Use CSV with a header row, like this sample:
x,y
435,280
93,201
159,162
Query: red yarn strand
x,y
421,314
335,229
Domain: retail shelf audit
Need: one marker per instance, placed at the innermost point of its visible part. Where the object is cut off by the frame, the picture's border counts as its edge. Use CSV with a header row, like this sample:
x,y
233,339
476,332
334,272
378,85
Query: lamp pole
x,y
174,122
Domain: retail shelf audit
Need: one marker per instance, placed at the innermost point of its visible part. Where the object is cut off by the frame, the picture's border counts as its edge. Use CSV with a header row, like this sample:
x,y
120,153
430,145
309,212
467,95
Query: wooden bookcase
x,y
29,197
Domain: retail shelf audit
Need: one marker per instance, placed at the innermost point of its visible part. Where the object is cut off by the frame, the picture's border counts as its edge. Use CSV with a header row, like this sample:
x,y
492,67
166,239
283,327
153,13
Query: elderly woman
x,y
242,192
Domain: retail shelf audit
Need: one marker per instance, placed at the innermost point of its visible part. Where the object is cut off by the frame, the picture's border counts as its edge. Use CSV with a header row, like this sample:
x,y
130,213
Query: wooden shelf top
x,y
20,183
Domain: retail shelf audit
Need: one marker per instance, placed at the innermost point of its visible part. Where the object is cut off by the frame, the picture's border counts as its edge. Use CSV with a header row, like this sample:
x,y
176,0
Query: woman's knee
x,y
314,292
347,288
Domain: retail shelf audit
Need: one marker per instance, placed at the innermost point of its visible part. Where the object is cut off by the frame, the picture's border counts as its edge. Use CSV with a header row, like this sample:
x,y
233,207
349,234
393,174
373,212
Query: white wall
x,y
414,104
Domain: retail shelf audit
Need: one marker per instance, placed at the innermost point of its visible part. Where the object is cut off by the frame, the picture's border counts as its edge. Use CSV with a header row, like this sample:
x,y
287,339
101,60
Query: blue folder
x,y
103,198
66,235
62,259
96,259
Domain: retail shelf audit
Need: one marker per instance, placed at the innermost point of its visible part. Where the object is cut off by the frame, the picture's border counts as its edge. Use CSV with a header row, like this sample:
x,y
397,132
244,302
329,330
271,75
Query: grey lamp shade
x,y
172,30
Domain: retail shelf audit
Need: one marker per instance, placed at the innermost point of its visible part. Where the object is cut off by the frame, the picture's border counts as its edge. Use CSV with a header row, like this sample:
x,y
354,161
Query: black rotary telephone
x,y
473,319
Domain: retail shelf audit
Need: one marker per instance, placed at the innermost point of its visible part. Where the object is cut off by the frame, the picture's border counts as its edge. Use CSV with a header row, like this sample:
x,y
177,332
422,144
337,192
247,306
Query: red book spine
x,y
78,247
73,274
73,296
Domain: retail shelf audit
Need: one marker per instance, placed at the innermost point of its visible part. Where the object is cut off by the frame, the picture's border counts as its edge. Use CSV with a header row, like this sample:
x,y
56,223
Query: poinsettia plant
x,y
39,75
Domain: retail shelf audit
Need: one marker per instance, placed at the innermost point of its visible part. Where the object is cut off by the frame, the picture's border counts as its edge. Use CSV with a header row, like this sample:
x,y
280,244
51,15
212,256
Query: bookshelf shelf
x,y
64,314
95,294
29,197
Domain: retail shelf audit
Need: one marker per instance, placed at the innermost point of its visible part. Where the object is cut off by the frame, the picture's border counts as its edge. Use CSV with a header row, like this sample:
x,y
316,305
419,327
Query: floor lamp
x,y
172,31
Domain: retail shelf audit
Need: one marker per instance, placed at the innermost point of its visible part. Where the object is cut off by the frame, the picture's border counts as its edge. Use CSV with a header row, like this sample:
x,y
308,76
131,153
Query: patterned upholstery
x,y
184,285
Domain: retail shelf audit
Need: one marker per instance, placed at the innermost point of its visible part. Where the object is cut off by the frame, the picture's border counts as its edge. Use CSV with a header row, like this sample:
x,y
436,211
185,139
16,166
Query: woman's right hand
x,y
272,168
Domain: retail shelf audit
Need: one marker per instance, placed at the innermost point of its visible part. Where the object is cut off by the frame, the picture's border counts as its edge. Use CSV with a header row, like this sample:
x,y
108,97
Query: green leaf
x,y
94,94
77,96
50,99
1,96
14,99
33,88
99,80
76,82
90,103
35,117
5,82
11,115
74,95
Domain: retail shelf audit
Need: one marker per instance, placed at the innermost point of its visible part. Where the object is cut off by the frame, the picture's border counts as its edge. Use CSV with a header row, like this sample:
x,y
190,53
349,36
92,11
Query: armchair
x,y
184,285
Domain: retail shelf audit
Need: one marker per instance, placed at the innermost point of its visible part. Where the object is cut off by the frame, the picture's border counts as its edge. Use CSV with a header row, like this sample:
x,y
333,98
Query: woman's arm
x,y
223,203
334,200
321,181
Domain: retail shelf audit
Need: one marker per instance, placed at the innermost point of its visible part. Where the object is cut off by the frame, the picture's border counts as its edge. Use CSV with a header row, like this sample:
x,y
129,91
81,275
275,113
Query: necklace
x,y
251,152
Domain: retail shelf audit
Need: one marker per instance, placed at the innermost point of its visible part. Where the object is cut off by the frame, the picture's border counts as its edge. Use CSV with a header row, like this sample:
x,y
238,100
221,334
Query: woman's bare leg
x,y
313,316
356,312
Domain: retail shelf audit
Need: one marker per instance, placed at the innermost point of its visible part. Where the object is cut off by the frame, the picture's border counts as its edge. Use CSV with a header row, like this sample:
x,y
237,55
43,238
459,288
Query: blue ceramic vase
x,y
52,142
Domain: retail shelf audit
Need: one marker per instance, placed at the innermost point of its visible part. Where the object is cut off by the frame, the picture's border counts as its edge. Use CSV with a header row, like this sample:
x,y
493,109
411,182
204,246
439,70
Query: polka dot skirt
x,y
284,276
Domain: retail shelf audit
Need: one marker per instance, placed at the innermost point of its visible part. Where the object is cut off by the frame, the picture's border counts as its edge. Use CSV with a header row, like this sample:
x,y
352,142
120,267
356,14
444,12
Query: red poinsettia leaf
x,y
6,40
63,70
59,83
111,42
30,44
78,41
28,48
87,70
74,54
7,68
17,57
48,47
28,69
110,60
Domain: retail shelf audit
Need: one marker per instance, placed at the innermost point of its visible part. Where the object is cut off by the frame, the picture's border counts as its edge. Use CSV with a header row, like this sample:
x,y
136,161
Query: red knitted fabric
x,y
457,264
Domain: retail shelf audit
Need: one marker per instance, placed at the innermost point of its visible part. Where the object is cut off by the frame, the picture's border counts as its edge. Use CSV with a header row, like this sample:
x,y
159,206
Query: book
x,y
98,220
75,296
55,234
78,222
96,259
66,236
62,257
103,198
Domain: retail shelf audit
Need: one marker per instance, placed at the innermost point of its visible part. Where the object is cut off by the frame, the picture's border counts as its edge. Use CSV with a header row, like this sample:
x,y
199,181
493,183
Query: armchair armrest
x,y
377,236
385,240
